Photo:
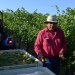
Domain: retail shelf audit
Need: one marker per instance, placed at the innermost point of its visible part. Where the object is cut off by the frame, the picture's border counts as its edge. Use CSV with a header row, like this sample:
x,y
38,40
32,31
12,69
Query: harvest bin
x,y
28,71
39,63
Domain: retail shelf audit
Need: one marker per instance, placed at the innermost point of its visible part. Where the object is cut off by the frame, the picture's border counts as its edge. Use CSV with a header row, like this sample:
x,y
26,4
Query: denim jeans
x,y
53,64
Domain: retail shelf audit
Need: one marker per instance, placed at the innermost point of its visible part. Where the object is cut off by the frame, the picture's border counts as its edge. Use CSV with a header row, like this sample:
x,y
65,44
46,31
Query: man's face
x,y
51,26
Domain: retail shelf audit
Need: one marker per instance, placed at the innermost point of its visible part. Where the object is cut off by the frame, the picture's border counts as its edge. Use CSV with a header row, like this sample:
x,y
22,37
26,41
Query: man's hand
x,y
61,55
40,56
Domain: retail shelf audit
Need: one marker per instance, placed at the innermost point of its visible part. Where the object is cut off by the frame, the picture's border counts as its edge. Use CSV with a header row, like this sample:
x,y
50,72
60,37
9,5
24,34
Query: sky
x,y
42,6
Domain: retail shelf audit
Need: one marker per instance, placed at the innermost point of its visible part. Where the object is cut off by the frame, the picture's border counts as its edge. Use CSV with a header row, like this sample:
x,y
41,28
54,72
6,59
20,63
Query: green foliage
x,y
67,23
24,25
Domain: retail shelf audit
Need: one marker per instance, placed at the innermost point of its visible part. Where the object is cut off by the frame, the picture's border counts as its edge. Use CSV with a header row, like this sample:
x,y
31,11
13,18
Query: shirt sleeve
x,y
38,44
64,43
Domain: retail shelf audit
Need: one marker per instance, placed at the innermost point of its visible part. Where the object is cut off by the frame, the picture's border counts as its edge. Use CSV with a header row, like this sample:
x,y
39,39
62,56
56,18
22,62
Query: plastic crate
x,y
28,71
39,63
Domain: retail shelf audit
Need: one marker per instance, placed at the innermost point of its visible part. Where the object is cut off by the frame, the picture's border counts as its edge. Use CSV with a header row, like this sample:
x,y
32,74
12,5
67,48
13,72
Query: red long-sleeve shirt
x,y
50,45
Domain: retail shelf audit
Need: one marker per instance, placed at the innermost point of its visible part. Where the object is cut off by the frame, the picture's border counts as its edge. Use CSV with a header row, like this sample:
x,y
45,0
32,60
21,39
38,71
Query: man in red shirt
x,y
51,44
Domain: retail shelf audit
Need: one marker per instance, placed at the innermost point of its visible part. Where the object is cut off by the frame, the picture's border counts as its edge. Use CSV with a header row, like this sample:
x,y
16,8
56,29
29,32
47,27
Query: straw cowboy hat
x,y
51,18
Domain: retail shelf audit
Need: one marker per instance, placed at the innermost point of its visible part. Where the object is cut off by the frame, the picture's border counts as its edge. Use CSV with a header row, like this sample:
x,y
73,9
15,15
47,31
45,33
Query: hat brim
x,y
50,22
